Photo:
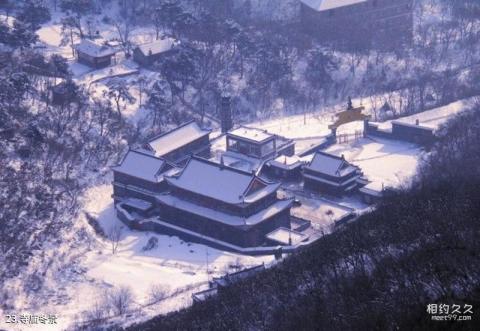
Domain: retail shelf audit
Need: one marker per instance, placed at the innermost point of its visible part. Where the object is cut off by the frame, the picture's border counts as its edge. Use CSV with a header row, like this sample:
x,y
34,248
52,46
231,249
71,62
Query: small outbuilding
x,y
148,53
94,55
64,92
258,143
285,167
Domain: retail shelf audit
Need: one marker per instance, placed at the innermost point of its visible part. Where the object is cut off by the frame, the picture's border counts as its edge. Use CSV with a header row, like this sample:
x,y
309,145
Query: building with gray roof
x,y
331,174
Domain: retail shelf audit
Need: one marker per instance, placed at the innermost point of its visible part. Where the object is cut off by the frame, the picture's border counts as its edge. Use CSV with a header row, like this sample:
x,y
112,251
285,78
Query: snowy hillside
x,y
68,114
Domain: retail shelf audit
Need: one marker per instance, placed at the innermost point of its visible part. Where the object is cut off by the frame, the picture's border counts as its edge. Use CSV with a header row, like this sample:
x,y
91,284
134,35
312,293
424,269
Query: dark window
x,y
331,13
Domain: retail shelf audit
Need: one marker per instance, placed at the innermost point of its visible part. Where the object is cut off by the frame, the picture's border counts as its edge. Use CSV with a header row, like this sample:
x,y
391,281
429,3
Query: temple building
x,y
140,175
359,22
285,167
147,54
179,144
331,174
94,55
223,203
258,143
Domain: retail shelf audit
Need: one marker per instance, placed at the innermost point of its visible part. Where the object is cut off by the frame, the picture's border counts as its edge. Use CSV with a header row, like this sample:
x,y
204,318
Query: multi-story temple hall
x,y
224,203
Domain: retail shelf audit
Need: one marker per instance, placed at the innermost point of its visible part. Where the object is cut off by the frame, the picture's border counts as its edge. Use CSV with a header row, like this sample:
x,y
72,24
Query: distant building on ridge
x,y
357,22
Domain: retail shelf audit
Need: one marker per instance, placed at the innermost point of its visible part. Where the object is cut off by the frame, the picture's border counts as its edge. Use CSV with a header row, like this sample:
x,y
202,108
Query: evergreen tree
x,y
34,13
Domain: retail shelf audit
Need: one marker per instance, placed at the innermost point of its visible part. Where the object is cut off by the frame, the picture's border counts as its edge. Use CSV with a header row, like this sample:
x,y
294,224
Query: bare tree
x,y
142,84
114,234
375,102
158,292
123,27
71,27
157,22
120,299
96,314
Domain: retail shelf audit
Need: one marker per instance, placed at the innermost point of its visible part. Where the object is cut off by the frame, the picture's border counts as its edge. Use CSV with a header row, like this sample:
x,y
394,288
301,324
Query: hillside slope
x,y
419,247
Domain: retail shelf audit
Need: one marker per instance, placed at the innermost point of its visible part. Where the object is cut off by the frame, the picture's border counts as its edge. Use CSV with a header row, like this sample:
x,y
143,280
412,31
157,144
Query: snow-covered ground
x,y
173,264
299,126
386,162
321,212
433,118
122,69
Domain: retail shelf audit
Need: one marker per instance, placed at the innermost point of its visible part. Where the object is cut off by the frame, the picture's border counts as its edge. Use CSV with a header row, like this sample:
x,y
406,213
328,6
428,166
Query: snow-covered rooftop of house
x,y
286,236
287,162
321,5
375,186
177,138
157,46
373,189
141,165
239,161
330,165
222,183
254,134
93,49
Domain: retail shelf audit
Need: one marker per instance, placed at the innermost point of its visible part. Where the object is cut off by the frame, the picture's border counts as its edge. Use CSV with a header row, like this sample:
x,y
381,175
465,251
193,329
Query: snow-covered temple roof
x,y
331,165
322,5
222,217
93,49
221,183
176,138
141,165
157,46
286,162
